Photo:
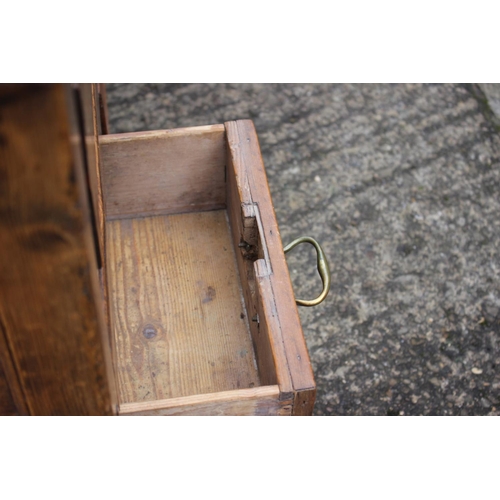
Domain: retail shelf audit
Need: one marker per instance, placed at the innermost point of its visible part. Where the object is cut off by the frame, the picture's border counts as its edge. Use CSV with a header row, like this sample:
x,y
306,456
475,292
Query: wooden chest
x,y
190,308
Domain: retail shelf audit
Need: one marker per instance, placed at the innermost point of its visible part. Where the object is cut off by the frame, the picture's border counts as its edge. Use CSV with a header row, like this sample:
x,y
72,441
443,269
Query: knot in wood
x,y
149,331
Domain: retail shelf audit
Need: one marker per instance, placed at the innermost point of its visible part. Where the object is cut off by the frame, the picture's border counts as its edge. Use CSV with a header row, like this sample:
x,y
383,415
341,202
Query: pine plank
x,y
163,172
259,401
286,336
178,318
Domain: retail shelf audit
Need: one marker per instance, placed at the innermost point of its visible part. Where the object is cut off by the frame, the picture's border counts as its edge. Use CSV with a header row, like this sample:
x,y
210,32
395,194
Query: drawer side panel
x,y
290,352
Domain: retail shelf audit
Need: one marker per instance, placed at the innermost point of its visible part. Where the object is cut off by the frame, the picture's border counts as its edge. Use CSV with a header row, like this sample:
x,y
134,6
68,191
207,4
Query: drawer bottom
x,y
178,316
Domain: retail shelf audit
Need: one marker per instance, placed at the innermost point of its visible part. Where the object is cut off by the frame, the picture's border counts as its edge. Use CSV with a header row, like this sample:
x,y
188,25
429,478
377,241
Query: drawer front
x,y
277,334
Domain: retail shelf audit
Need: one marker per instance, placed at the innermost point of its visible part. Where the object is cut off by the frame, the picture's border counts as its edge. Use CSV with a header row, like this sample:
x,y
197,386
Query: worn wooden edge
x,y
90,118
97,167
97,275
213,403
243,230
103,109
243,146
295,345
159,134
181,209
269,325
243,208
303,403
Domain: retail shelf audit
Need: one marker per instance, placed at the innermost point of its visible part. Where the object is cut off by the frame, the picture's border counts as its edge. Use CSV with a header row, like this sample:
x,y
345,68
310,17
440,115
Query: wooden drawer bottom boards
x,y
202,313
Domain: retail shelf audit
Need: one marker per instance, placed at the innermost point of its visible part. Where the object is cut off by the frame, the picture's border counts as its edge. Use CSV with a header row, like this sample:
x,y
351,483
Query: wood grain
x,y
163,172
12,394
285,331
258,401
80,112
7,405
245,238
47,300
11,90
179,322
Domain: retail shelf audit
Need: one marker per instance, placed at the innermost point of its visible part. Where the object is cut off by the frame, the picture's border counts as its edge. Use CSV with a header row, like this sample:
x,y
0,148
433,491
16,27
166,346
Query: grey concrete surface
x,y
492,94
401,185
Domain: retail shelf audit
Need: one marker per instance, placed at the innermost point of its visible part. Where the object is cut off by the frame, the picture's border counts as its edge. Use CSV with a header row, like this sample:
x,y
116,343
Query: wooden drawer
x,y
202,312
142,273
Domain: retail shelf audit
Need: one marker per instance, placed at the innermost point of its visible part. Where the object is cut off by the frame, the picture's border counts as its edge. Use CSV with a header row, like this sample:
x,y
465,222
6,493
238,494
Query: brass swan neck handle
x,y
323,269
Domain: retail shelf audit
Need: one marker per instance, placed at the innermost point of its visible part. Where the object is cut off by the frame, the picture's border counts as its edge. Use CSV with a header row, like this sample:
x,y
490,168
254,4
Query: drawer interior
x,y
179,281
201,310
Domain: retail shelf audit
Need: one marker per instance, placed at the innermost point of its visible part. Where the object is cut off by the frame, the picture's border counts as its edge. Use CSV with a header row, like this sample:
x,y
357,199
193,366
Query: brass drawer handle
x,y
323,269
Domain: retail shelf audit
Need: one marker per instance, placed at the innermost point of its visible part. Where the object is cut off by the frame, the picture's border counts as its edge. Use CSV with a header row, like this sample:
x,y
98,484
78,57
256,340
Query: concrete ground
x,y
401,185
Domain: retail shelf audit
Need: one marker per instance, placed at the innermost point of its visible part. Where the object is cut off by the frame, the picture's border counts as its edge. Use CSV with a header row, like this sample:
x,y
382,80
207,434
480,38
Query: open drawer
x,y
201,309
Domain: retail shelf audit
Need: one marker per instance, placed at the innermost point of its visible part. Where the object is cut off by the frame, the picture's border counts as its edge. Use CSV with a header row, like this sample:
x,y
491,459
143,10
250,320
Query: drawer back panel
x,y
163,172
